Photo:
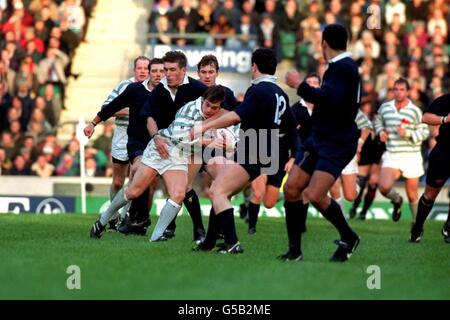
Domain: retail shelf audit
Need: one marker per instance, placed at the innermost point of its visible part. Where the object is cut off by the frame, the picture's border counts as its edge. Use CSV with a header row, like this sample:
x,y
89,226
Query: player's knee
x,y
117,184
350,195
412,198
257,197
269,204
312,196
384,189
131,194
177,195
290,193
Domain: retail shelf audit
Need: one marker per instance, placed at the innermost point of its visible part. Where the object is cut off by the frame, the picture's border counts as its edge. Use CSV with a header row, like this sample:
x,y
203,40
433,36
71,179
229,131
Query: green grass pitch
x,y
36,251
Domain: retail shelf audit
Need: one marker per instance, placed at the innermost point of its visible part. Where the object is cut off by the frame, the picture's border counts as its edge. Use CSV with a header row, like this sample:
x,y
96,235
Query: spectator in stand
x,y
205,11
29,145
91,168
104,141
187,11
290,17
19,167
5,162
74,13
40,104
182,27
7,143
224,29
246,31
232,13
51,69
248,7
395,7
437,20
36,6
42,168
367,45
66,167
53,100
162,27
160,8
38,121
269,35
417,10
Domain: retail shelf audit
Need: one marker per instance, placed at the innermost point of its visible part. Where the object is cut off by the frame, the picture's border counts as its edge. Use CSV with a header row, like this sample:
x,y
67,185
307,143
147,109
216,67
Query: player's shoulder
x,y
386,105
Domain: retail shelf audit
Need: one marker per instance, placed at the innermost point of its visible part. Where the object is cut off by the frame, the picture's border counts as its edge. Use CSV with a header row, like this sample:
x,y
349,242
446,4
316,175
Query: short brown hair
x,y
176,56
208,60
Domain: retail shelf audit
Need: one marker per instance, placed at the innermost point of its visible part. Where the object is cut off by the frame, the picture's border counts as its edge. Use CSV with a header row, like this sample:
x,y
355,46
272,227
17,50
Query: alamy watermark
x,y
74,280
374,279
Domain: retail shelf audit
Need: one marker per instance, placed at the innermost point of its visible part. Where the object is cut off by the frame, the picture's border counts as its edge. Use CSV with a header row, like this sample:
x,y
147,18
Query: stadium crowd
x,y
38,40
408,38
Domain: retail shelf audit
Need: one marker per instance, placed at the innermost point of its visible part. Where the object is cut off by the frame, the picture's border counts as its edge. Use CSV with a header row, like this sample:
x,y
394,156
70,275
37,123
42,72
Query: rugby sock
x,y
413,207
303,215
423,210
124,210
226,221
393,195
294,213
362,183
334,214
118,202
213,231
112,194
253,211
141,204
192,204
172,225
368,198
340,202
168,212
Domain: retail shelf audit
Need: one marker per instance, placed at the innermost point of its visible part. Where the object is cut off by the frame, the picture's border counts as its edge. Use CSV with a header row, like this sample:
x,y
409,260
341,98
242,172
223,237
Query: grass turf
x,y
36,250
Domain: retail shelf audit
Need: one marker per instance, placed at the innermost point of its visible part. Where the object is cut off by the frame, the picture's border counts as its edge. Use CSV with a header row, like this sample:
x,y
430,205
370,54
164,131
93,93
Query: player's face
x,y
400,92
209,108
208,74
313,82
156,73
141,70
174,73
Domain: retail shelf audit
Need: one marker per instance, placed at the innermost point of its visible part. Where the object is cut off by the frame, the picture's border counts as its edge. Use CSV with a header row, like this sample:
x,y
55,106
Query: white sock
x,y
123,212
168,212
413,206
393,195
118,202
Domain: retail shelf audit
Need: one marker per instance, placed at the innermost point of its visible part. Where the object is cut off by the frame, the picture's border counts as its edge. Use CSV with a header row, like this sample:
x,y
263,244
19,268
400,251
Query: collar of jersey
x,y
341,56
164,82
198,105
145,84
266,78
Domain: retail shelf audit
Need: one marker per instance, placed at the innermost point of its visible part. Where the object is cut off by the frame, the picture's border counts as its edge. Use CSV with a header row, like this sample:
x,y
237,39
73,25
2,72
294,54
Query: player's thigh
x,y
320,183
296,182
176,182
271,196
143,177
388,176
193,170
349,186
412,187
229,179
335,190
364,170
258,189
375,170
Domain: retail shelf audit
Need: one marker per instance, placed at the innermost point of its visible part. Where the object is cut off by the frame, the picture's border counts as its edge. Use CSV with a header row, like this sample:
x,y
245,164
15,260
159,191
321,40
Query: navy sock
x,y
226,221
192,204
368,199
213,230
141,209
253,211
294,219
423,210
334,214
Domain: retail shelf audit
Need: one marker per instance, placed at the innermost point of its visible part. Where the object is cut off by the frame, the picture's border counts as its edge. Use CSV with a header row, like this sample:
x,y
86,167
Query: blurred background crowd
x,y
388,39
